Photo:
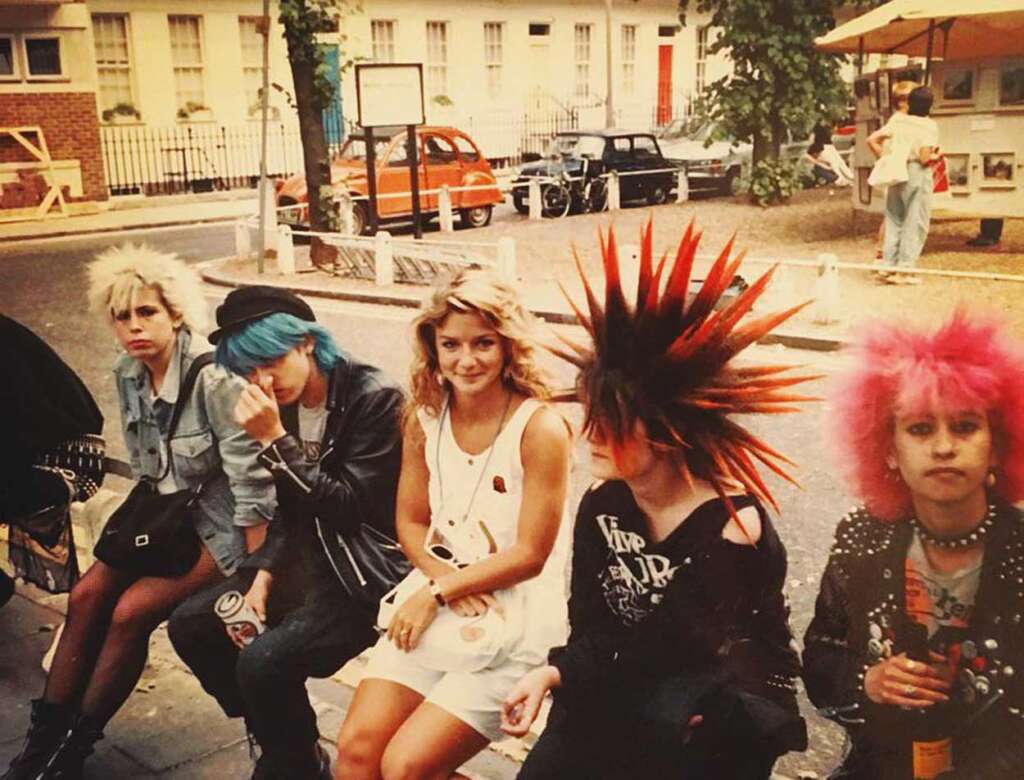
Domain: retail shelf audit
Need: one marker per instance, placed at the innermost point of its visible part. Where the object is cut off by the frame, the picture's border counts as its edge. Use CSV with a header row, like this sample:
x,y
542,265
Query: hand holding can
x,y
240,620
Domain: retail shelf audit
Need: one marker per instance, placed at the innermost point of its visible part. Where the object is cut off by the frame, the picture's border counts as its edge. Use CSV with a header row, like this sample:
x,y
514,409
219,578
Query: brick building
x,y
48,81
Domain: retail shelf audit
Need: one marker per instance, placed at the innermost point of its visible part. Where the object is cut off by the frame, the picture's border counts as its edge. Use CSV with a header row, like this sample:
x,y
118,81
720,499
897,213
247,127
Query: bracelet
x,y
435,591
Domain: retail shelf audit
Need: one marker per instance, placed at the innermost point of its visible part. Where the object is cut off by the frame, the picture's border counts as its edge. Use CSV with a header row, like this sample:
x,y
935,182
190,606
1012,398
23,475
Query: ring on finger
x,y
909,689
911,666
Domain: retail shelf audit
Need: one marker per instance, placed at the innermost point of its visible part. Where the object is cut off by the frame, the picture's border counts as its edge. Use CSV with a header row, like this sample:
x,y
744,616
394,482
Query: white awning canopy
x,y
963,29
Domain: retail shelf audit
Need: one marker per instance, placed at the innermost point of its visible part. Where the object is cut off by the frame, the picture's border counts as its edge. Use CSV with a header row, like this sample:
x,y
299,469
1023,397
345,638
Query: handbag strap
x,y
184,391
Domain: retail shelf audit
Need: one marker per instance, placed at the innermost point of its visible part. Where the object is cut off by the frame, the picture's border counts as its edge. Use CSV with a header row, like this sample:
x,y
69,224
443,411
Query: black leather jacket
x,y
860,608
356,477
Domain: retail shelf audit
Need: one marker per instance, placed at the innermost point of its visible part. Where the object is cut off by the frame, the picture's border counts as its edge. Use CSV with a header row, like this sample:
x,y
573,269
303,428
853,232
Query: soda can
x,y
238,616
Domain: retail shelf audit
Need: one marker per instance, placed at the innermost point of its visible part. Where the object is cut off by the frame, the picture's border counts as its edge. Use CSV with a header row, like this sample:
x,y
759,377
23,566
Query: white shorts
x,y
475,698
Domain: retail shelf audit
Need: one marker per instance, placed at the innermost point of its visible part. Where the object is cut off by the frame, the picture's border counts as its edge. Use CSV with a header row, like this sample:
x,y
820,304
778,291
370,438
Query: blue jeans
x,y
908,215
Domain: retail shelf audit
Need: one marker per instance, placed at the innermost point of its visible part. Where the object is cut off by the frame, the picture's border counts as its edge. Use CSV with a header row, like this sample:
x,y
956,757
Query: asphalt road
x,y
43,285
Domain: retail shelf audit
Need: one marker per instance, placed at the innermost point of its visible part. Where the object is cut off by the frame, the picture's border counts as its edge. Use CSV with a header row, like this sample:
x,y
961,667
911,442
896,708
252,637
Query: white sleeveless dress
x,y
475,513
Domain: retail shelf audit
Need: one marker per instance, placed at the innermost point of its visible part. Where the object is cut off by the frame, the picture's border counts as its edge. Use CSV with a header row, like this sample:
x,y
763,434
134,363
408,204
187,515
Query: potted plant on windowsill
x,y
195,112
122,114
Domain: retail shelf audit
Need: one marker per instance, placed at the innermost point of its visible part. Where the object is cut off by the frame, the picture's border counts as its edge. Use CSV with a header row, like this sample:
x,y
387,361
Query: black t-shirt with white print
x,y
641,609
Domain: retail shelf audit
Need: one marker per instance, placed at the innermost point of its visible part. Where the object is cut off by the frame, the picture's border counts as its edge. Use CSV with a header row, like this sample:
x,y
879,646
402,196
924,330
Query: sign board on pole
x,y
390,94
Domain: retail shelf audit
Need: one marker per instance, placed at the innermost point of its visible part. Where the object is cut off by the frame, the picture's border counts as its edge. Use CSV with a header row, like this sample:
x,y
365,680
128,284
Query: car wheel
x,y
476,217
555,201
730,176
359,220
657,193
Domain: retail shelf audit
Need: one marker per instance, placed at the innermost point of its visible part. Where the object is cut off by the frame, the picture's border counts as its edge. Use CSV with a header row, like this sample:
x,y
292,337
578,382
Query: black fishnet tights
x,y
103,649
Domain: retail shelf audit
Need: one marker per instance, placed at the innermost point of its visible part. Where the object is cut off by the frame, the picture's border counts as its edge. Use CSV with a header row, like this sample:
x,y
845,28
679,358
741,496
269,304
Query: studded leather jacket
x,y
859,617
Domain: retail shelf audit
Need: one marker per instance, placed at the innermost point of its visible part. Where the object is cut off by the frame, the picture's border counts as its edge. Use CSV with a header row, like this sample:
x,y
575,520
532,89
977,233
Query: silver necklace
x,y
961,540
446,412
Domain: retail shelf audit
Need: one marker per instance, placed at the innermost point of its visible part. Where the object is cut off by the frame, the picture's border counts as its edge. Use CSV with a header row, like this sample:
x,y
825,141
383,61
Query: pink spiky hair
x,y
966,363
668,364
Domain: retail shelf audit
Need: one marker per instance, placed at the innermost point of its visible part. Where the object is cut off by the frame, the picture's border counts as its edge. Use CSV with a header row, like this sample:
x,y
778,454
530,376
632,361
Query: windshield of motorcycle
x,y
589,146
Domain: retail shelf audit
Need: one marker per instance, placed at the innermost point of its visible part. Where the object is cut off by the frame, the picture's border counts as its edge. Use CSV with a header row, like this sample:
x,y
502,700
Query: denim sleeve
x,y
251,484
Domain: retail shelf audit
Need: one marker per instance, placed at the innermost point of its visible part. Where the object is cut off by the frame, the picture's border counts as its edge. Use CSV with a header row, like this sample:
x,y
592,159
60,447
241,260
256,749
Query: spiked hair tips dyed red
x,y
666,362
968,363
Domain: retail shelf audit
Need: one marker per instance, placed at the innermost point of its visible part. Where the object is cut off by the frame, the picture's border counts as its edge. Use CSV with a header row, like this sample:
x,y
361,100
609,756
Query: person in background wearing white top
x,y
908,205
481,499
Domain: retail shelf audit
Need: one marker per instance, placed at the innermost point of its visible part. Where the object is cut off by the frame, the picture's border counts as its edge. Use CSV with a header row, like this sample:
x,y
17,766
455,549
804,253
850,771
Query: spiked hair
x,y
667,363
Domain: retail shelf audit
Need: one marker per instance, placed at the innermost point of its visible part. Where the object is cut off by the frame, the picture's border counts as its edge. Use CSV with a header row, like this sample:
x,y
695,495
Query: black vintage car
x,y
571,173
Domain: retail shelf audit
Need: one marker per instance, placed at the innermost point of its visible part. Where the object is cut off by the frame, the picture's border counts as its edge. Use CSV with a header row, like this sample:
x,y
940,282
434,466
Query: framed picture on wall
x,y
958,171
884,86
1011,83
958,84
998,169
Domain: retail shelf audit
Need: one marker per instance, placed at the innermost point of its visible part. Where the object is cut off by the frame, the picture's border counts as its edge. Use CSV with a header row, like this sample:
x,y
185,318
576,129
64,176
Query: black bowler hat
x,y
248,304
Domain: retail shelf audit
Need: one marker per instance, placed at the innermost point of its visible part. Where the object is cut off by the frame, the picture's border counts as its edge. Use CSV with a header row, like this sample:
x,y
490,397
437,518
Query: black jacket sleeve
x,y
347,487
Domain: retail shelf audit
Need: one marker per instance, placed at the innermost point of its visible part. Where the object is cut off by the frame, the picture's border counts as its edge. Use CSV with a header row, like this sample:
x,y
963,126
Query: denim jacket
x,y
207,445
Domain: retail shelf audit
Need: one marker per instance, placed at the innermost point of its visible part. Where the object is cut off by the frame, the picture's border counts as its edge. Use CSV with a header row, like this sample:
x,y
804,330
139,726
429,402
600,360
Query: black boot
x,y
76,746
293,765
6,588
48,724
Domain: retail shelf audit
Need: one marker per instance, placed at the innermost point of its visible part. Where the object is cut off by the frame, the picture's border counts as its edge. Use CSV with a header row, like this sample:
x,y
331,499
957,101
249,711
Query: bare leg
x,y
90,604
378,710
141,608
431,745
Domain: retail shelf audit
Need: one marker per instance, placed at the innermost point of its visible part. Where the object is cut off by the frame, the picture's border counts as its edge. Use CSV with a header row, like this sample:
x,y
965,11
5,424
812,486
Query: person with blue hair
x,y
329,428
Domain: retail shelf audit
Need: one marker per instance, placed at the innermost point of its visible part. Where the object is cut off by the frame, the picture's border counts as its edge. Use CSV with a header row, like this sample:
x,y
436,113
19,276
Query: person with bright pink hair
x,y
917,634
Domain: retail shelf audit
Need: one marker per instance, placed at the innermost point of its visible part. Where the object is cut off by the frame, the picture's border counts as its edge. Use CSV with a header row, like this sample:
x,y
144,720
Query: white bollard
x,y
243,242
285,250
826,290
384,259
613,191
444,210
348,226
534,199
682,186
507,256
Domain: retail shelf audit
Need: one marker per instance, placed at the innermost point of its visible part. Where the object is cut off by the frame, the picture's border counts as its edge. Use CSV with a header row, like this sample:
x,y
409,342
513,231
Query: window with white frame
x,y
437,58
382,34
629,60
44,56
187,60
582,52
8,63
494,55
702,59
252,59
113,60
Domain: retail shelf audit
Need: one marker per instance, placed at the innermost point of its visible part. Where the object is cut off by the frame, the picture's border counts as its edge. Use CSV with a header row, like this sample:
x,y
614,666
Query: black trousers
x,y
991,229
312,632
615,747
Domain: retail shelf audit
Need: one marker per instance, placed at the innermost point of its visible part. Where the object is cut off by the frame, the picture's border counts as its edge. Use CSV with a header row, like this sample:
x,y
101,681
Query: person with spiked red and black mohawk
x,y
680,660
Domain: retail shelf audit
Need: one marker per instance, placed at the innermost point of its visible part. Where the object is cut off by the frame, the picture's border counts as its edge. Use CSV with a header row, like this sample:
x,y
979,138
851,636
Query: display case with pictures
x,y
1011,83
958,85
998,169
958,172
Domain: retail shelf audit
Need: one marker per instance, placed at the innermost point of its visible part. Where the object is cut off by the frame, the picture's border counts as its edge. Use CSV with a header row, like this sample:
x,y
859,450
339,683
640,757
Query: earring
x,y
890,463
990,478
439,378
506,373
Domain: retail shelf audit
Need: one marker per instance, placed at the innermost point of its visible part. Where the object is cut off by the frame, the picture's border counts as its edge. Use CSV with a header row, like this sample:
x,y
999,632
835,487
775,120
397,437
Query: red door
x,y
664,84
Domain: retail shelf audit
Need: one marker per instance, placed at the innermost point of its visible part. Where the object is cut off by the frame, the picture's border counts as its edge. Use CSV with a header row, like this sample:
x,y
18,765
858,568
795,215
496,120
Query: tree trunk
x,y
314,153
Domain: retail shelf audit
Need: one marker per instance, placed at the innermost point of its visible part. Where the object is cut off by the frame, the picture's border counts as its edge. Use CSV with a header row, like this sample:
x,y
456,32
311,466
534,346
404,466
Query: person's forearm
x,y
511,566
255,535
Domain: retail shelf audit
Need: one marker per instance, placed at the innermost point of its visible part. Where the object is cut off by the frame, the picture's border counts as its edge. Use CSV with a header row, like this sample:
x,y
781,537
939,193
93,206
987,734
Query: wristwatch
x,y
435,591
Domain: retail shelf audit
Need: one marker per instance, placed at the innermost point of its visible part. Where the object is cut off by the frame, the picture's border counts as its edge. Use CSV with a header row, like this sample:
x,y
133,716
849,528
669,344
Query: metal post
x,y
371,179
265,30
609,113
243,246
285,250
928,56
614,203
533,196
826,290
414,179
682,186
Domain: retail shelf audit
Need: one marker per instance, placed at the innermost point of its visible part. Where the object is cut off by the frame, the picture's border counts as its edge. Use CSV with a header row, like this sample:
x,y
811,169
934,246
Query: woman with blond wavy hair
x,y
155,305
481,498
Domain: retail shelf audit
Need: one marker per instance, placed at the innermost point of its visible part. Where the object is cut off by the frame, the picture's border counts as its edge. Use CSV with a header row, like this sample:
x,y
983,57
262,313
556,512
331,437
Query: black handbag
x,y
152,534
370,564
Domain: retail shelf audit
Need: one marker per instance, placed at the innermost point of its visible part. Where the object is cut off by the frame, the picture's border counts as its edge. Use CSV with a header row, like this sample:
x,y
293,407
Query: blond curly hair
x,y
492,297
119,274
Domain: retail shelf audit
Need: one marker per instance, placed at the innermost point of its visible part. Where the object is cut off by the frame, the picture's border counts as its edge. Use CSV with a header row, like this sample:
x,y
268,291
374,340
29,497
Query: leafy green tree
x,y
304,22
779,81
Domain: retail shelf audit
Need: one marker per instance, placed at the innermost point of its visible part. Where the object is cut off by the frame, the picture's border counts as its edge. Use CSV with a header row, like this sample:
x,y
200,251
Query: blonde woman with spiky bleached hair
x,y
155,306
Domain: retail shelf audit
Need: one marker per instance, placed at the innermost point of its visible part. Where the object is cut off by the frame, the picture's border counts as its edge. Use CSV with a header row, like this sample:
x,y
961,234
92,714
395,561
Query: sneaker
x,y
905,279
